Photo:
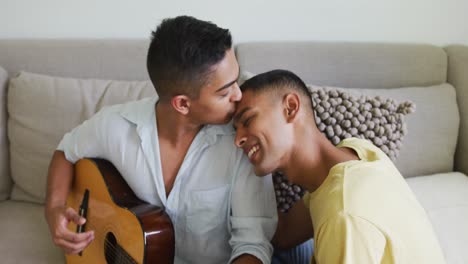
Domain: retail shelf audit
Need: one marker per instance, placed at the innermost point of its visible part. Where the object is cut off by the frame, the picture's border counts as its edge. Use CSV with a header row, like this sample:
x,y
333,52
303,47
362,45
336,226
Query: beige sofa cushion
x,y
445,199
430,143
25,235
42,109
5,179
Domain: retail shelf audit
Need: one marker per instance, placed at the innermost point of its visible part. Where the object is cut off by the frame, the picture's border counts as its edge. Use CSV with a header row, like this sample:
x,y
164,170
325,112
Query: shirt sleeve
x,y
85,140
349,239
253,213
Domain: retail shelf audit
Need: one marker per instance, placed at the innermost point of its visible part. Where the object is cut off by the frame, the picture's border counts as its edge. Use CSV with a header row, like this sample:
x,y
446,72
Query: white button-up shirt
x,y
218,207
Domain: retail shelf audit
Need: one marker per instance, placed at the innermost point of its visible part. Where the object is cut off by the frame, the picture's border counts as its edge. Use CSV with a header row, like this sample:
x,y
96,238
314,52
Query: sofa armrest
x,y
458,77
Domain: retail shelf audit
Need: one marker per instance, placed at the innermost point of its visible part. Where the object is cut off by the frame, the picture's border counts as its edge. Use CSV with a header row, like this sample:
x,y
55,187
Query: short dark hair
x,y
181,53
278,81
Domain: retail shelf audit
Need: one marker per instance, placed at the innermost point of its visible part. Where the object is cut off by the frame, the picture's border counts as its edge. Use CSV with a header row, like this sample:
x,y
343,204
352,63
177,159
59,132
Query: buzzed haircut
x,y
181,55
278,81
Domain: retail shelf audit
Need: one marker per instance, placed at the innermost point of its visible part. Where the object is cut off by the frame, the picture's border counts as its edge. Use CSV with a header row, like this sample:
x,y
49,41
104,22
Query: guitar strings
x,y
116,253
112,249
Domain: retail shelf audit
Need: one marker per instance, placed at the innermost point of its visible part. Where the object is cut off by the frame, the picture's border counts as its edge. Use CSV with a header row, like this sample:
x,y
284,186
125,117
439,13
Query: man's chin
x,y
261,172
220,121
227,119
229,116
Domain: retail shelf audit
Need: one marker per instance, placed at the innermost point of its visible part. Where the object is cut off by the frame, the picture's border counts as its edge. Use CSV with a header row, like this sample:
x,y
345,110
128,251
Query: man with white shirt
x,y
177,152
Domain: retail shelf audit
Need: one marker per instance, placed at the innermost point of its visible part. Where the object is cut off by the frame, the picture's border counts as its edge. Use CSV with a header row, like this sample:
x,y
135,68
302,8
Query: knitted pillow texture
x,y
342,113
339,114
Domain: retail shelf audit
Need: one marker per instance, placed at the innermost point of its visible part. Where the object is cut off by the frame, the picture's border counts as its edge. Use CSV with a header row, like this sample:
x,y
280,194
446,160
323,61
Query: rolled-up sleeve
x,y
253,213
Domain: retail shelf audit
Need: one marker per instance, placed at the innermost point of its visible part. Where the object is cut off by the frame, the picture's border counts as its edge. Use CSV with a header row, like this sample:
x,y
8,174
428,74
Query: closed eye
x,y
225,92
247,121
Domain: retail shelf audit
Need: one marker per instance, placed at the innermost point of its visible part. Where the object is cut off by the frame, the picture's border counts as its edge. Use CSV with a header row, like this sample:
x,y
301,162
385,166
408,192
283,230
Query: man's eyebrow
x,y
238,116
228,84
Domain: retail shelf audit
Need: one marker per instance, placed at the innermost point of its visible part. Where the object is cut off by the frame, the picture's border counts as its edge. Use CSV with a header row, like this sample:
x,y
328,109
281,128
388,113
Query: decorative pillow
x,y
42,109
340,114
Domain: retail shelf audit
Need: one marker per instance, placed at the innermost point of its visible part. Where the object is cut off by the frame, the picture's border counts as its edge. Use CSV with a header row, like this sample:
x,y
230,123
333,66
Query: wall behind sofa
x,y
425,21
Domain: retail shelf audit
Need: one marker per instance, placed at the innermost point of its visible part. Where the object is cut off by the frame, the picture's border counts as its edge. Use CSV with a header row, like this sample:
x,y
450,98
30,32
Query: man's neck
x,y
175,135
312,159
174,127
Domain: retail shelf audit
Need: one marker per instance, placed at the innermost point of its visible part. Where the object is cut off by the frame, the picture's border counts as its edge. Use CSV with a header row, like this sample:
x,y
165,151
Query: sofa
x,y
49,86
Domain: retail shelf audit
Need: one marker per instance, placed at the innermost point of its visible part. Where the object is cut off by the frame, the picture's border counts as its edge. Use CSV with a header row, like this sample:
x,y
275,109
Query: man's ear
x,y
181,104
291,105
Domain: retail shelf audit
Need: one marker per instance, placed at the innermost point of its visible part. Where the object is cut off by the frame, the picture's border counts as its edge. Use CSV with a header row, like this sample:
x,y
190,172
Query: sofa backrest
x,y
360,65
375,66
100,59
397,71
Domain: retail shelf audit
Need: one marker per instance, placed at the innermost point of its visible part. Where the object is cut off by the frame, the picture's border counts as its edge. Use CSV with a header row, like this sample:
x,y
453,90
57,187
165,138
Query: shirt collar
x,y
141,112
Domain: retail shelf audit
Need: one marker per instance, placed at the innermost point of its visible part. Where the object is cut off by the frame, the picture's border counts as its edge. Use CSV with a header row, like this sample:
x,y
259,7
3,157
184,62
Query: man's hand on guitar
x,y
71,242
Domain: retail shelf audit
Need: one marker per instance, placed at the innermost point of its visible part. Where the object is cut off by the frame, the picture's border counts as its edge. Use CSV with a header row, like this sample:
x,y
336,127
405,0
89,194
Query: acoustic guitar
x,y
126,229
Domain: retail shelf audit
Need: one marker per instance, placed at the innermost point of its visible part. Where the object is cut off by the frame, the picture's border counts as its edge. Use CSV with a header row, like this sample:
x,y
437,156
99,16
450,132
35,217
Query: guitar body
x,y
126,230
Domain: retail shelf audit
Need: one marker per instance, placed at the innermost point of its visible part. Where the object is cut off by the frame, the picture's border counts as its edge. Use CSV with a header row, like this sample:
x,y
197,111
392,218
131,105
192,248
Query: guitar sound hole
x,y
110,248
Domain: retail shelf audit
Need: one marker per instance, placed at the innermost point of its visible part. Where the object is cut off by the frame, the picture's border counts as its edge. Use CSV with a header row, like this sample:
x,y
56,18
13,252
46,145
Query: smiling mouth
x,y
253,150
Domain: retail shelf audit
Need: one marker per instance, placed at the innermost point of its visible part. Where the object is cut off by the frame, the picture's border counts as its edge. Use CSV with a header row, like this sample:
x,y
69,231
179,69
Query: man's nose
x,y
240,140
237,95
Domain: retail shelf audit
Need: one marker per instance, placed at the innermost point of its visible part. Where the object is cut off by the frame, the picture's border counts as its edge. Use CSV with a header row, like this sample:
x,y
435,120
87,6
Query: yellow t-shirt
x,y
364,212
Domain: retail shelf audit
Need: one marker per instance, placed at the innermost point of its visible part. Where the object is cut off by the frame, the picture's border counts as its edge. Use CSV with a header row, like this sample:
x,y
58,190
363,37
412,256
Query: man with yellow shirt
x,y
361,208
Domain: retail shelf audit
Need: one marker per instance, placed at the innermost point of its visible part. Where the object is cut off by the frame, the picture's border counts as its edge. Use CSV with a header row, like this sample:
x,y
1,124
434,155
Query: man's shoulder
x,y
137,105
134,111
220,134
129,106
223,137
346,218
222,130
131,112
365,149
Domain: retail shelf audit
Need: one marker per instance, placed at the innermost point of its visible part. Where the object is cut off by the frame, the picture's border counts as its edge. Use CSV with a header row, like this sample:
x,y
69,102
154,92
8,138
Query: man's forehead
x,y
247,99
241,110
